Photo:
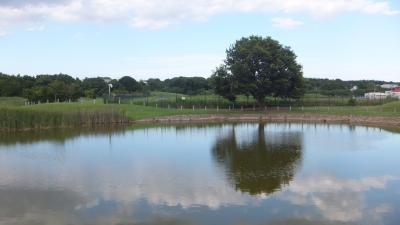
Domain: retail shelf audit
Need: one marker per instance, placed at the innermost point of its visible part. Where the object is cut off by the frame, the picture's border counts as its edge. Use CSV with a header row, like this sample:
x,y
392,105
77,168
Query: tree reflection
x,y
263,165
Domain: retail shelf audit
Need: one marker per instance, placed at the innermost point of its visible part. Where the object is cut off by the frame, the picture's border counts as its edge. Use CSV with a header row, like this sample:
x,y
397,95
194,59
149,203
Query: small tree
x,y
224,84
129,84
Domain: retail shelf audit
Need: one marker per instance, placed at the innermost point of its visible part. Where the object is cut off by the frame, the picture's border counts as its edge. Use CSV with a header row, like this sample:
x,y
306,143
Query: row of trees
x,y
62,87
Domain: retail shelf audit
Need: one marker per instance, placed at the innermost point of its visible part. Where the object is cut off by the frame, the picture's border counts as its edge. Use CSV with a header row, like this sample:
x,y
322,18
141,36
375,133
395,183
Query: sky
x,y
345,39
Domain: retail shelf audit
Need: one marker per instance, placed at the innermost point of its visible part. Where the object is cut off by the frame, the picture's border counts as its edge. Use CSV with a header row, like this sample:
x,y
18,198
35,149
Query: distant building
x,y
389,86
106,79
376,95
355,88
394,93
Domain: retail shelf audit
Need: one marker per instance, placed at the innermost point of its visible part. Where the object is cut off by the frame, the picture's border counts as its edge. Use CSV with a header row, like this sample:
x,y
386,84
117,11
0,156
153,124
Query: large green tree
x,y
262,67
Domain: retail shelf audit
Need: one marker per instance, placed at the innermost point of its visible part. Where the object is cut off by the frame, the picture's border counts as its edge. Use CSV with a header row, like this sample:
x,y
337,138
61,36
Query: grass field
x,y
15,114
136,112
165,99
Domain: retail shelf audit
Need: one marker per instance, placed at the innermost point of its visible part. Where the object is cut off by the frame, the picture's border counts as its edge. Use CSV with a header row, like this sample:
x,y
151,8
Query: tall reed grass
x,y
15,118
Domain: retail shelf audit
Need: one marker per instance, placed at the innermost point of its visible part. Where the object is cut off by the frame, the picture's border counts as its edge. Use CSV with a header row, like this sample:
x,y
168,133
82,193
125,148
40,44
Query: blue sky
x,y
347,39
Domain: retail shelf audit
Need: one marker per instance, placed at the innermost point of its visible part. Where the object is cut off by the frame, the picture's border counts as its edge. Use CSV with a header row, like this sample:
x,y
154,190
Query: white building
x,y
355,88
106,79
394,93
389,86
376,95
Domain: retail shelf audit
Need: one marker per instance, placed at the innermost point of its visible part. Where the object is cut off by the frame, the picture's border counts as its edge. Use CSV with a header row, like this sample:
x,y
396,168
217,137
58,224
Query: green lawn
x,y
211,100
11,101
136,112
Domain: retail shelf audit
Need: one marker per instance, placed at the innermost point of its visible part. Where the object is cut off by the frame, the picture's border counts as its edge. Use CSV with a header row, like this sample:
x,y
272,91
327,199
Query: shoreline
x,y
378,121
373,121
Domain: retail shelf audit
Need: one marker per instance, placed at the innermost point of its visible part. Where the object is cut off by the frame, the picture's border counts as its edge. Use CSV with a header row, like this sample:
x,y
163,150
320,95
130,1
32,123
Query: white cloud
x,y
2,33
336,198
286,23
36,28
161,13
171,65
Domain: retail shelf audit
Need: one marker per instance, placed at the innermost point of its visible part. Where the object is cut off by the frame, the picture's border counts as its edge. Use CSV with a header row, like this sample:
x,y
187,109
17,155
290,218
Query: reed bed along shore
x,y
17,118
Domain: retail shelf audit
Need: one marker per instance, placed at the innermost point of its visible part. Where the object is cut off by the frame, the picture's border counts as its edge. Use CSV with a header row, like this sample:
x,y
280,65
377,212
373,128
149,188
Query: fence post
x,y
205,108
119,100
229,108
290,108
193,107
181,107
168,106
217,108
156,105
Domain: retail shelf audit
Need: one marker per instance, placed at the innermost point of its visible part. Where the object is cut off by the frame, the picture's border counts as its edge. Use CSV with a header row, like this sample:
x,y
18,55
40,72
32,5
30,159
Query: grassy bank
x,y
15,115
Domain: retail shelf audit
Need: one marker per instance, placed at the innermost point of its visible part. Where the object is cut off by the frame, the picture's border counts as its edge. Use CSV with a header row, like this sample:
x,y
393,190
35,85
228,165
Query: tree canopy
x,y
259,67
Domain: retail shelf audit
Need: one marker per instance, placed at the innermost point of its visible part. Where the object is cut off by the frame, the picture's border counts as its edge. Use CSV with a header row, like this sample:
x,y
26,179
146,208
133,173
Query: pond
x,y
202,174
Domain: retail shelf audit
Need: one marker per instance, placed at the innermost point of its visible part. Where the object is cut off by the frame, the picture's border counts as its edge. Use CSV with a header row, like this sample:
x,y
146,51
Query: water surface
x,y
209,174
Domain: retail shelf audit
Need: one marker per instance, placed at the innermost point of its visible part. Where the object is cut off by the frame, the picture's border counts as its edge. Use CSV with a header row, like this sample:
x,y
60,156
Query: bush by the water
x,y
352,102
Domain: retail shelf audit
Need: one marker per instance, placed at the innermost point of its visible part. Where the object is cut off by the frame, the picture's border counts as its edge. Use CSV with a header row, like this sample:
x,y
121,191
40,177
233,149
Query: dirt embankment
x,y
300,118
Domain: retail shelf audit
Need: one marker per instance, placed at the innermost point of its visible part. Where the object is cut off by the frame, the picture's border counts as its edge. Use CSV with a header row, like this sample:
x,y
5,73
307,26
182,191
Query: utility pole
x,y
109,90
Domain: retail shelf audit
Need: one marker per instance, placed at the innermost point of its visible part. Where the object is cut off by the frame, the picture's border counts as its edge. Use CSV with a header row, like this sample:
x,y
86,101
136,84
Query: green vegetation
x,y
11,101
164,99
57,115
259,67
88,114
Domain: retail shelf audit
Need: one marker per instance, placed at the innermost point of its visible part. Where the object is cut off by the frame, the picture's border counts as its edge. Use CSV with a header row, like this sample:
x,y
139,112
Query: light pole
x,y
109,90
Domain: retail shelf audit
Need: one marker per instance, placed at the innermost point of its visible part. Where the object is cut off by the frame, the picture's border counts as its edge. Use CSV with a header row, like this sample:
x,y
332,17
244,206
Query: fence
x,y
213,101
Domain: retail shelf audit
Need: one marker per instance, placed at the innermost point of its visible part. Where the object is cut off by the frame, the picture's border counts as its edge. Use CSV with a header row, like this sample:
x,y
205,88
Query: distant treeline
x,y
62,87
339,87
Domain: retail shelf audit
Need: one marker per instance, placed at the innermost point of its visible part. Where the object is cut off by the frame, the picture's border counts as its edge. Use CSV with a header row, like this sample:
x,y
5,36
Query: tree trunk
x,y
260,101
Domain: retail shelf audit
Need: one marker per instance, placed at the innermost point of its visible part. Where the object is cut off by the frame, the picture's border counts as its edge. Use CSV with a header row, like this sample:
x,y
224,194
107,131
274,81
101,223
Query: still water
x,y
209,174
